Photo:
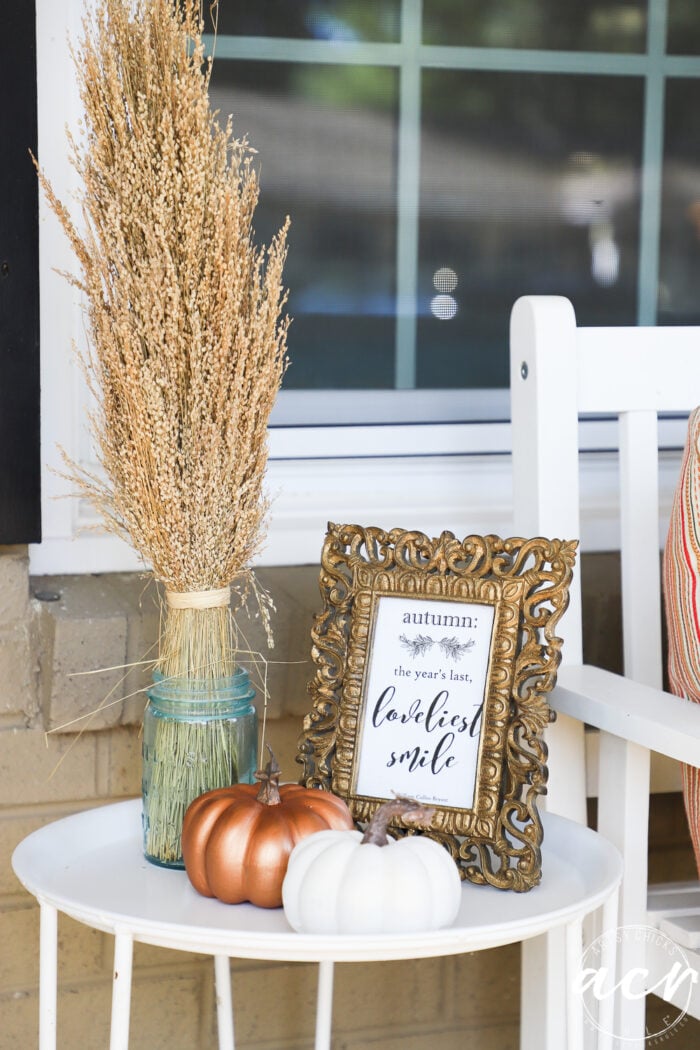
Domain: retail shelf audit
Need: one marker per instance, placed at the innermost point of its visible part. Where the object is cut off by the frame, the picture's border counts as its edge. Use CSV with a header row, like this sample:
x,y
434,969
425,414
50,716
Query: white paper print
x,y
423,700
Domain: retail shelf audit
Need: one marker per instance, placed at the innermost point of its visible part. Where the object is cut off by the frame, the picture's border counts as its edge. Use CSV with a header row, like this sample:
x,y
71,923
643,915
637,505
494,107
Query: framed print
x,y
433,660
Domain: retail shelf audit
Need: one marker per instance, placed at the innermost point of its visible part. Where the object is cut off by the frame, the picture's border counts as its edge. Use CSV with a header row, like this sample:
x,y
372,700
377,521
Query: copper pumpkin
x,y
236,841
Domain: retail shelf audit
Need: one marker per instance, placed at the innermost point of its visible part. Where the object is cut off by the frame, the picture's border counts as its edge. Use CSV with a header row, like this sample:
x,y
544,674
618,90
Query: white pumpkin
x,y
338,883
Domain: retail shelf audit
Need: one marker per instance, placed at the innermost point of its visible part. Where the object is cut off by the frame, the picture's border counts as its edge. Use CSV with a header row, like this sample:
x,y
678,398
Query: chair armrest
x,y
650,717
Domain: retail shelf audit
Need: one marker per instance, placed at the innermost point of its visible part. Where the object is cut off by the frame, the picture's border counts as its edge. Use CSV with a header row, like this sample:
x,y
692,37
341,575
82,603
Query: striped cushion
x,y
682,600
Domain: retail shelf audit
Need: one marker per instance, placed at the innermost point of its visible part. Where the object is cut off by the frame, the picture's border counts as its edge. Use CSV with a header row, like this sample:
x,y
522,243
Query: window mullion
x,y
408,193
652,166
323,52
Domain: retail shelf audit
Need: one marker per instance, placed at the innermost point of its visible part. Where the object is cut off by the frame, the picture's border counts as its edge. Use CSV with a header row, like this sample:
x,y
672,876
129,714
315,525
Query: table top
x,y
91,866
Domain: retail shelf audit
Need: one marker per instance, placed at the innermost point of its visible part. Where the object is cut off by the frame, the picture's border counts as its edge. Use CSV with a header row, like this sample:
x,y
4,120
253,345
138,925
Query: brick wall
x,y
51,631
54,629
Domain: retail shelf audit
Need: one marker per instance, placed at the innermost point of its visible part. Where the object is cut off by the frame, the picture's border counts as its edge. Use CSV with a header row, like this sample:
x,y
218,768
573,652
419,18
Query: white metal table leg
x,y
121,991
608,960
48,976
324,1005
574,1000
224,1002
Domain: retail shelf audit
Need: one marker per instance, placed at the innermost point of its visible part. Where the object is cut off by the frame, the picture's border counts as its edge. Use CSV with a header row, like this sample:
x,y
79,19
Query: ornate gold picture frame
x,y
433,659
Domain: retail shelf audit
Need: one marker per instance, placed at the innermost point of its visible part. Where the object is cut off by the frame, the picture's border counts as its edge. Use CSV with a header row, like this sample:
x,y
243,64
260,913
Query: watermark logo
x,y
600,988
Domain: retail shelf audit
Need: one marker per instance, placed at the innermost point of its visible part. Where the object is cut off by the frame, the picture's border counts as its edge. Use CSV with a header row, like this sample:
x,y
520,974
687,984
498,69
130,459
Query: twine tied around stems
x,y
200,635
212,599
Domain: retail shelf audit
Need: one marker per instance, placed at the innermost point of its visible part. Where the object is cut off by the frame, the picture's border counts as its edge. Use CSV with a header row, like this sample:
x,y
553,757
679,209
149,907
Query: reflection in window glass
x,y
346,20
326,143
529,185
683,27
570,25
679,257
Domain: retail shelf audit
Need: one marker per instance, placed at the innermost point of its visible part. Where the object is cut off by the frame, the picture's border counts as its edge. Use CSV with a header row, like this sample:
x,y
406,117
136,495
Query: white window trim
x,y
428,475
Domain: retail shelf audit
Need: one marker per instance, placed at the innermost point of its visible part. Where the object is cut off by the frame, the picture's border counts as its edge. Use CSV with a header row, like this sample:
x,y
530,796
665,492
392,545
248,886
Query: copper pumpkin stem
x,y
269,777
410,811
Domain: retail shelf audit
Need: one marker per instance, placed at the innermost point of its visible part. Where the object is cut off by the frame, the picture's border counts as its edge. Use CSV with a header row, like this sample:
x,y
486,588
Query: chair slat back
x,y
560,372
639,546
623,369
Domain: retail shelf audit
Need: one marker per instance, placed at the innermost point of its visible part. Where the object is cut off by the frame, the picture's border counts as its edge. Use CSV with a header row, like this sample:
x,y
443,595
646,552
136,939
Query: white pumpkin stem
x,y
269,778
410,811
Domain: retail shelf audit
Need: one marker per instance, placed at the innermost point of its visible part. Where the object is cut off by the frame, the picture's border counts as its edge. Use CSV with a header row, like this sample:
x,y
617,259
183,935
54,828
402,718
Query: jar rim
x,y
181,689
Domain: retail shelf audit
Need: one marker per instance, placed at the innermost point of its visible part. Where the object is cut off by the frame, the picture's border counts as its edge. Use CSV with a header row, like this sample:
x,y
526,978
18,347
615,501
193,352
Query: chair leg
x,y
543,992
623,817
48,976
121,991
224,1002
324,1005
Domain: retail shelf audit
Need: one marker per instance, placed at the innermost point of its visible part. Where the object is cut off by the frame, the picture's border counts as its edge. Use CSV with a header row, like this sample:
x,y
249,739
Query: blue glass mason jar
x,y
197,735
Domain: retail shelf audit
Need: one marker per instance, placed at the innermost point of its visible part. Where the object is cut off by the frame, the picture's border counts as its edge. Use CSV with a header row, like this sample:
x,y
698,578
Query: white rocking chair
x,y
558,373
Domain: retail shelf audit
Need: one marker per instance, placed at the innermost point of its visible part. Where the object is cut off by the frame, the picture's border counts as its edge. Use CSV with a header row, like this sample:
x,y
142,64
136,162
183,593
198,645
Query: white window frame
x,y
451,469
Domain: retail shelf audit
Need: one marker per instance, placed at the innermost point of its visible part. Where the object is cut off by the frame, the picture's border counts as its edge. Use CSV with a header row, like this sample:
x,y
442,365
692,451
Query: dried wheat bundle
x,y
185,317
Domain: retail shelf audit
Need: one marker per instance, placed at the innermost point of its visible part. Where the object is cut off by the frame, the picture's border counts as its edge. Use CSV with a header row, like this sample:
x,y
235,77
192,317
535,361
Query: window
x,y
438,159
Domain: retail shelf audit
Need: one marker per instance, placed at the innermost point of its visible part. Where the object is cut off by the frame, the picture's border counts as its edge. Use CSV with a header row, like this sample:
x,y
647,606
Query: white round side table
x,y
91,867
